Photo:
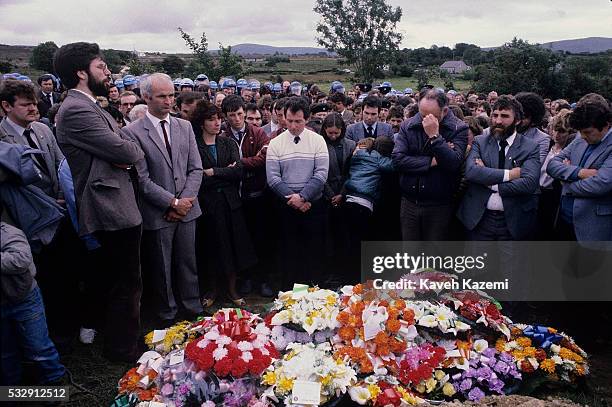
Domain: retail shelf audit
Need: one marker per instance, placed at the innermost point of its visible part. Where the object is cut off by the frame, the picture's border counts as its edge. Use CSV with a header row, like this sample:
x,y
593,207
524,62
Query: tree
x,y
6,66
42,56
172,65
362,31
202,62
229,63
116,59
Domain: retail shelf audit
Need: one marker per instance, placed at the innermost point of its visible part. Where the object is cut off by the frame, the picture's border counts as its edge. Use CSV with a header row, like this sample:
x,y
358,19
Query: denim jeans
x,y
25,335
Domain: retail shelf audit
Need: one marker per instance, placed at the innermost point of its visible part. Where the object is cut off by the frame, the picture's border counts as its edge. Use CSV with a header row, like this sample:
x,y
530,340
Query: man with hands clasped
x,y
502,171
169,177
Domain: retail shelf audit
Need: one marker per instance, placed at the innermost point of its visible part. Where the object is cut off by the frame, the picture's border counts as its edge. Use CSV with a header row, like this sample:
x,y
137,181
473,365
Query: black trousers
x,y
122,289
301,241
425,222
259,218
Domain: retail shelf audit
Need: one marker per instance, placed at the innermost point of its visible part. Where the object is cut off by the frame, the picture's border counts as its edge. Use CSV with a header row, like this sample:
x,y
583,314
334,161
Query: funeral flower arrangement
x,y
305,308
310,363
379,348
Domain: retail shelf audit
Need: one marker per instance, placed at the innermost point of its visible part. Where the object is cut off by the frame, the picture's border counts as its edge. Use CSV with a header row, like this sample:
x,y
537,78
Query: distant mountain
x,y
590,45
258,49
582,45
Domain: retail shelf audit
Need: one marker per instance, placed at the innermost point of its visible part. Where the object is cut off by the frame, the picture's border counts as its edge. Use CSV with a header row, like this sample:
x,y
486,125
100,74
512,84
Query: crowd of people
x,y
186,191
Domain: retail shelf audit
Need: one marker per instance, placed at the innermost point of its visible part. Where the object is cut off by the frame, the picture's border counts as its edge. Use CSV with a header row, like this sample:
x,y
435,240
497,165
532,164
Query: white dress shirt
x,y
157,125
93,99
495,201
19,130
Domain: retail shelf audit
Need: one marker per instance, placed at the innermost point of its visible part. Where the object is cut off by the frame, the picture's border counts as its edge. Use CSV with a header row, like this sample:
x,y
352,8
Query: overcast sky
x,y
147,25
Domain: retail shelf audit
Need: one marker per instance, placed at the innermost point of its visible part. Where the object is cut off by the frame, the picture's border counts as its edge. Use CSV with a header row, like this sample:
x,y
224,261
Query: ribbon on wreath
x,y
542,335
237,330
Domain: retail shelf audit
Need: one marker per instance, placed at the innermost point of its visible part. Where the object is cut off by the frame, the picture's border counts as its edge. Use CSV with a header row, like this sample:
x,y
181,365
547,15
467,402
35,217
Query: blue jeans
x,y
25,335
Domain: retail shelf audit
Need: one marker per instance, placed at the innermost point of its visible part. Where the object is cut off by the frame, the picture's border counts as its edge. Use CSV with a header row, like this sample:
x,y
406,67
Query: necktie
x,y
370,131
239,135
48,98
296,139
163,126
27,133
502,154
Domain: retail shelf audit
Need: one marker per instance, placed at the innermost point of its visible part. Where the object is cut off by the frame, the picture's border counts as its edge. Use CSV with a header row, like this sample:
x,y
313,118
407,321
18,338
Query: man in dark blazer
x,y
100,160
169,177
46,96
19,126
503,170
370,126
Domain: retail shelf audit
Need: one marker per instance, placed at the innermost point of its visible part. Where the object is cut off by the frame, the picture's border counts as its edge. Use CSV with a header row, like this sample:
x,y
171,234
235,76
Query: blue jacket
x,y
365,173
412,157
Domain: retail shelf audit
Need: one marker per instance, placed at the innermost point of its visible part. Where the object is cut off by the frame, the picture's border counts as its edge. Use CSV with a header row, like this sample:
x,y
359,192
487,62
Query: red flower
x,y
201,357
388,397
223,367
239,368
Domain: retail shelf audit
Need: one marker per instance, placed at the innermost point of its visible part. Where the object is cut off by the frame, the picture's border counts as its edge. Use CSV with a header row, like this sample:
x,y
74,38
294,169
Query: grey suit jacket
x,y
92,144
53,155
348,117
519,196
357,132
335,177
267,129
162,178
541,138
592,196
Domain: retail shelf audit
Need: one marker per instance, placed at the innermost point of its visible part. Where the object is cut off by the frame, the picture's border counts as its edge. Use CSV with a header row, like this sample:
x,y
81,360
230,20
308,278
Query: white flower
x,y
359,395
224,340
557,359
428,321
555,348
480,345
281,318
212,335
247,356
262,329
203,343
245,346
219,353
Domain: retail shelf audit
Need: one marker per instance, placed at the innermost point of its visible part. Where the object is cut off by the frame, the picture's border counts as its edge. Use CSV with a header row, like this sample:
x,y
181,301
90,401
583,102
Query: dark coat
x,y
44,105
412,157
335,177
222,227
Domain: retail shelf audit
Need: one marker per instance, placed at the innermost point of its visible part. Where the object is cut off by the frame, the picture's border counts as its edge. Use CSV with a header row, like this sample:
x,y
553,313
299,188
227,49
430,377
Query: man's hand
x,y
183,206
61,202
515,173
209,172
305,207
295,201
123,166
173,216
587,173
431,125
433,162
479,162
336,200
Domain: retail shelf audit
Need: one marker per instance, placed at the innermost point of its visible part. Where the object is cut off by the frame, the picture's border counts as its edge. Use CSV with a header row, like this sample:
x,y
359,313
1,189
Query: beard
x,y
501,132
98,88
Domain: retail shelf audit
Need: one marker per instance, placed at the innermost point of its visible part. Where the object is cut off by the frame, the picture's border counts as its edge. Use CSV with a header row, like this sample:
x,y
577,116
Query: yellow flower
x,y
518,354
580,371
500,345
285,385
548,365
421,388
374,391
530,351
448,389
269,378
430,384
439,375
523,341
330,300
407,397
325,380
569,355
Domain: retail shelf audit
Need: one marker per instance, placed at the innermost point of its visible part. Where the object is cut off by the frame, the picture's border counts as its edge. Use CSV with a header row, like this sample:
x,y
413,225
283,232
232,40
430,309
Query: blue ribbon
x,y
541,336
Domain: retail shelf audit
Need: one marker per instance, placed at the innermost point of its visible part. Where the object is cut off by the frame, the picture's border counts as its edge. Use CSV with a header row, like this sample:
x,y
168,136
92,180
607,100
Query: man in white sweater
x,y
297,162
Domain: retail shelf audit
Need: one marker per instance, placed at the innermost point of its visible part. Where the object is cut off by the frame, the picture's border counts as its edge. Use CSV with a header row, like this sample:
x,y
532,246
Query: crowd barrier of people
x,y
182,192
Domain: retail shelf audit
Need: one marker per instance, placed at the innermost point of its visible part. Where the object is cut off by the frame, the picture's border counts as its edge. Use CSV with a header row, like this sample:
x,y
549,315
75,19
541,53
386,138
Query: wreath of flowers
x,y
419,362
312,310
233,348
545,350
309,362
176,337
382,390
132,383
437,316
479,310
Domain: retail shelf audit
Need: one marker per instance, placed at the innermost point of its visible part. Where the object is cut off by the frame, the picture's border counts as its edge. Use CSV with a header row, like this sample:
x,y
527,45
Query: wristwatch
x,y
175,203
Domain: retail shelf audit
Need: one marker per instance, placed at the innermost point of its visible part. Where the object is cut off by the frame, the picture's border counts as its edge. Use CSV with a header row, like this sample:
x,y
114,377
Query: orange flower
x,y
530,351
346,333
393,325
500,345
397,346
548,365
381,338
523,341
358,289
400,304
526,367
366,366
409,316
357,308
540,354
343,318
382,350
384,303
580,371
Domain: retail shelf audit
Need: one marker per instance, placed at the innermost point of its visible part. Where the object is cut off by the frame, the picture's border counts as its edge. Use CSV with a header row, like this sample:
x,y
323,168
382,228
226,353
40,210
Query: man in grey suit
x,y
18,101
100,160
169,177
370,126
502,170
339,101
585,168
533,115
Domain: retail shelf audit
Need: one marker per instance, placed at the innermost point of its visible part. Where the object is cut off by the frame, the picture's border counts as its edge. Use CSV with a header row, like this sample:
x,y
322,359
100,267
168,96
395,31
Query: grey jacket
x,y
52,154
161,178
17,269
592,213
357,132
541,138
91,141
335,177
519,196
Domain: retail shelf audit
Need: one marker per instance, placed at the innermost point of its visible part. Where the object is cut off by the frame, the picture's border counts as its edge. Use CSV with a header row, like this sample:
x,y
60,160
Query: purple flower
x,y
506,357
465,385
502,368
489,352
484,373
475,394
496,385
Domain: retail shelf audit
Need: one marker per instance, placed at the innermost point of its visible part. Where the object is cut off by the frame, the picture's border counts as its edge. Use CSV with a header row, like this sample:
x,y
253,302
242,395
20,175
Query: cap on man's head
x,y
319,108
213,85
201,77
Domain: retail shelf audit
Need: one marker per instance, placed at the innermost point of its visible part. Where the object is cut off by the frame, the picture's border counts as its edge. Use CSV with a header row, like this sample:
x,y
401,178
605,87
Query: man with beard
x,y
100,159
502,171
